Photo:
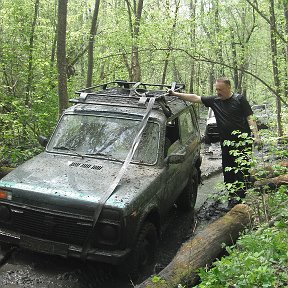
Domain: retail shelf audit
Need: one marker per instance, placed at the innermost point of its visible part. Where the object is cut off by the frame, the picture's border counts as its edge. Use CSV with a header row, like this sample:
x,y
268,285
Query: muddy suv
x,y
119,158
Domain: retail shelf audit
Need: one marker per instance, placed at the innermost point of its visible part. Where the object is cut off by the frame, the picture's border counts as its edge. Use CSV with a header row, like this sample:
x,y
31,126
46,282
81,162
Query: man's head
x,y
223,88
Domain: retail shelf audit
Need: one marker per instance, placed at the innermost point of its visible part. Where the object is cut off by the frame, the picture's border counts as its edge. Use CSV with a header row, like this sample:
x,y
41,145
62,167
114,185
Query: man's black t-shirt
x,y
231,114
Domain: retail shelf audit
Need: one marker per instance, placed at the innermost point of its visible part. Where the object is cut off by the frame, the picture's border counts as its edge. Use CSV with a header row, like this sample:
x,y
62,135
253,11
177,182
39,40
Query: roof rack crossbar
x,y
132,95
129,85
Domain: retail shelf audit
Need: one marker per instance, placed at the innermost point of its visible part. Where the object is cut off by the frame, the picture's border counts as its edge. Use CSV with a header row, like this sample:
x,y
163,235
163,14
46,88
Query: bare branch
x,y
201,58
254,6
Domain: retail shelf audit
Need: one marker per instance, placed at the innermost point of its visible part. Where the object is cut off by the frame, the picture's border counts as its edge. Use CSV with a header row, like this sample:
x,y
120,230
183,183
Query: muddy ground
x,y
25,269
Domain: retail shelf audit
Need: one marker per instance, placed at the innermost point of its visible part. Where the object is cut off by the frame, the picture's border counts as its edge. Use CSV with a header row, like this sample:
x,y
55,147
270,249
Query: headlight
x,y
107,233
108,228
5,195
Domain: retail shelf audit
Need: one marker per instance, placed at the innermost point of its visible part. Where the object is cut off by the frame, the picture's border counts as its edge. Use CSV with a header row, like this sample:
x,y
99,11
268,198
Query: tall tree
x,y
192,7
170,38
61,55
273,31
135,13
241,16
285,12
93,32
30,57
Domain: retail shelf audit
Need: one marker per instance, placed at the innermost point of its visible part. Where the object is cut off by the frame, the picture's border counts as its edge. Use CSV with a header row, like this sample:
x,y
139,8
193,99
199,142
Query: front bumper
x,y
62,249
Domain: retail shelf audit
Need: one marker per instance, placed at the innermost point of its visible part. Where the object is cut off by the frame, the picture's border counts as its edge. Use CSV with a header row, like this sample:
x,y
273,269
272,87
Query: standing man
x,y
232,112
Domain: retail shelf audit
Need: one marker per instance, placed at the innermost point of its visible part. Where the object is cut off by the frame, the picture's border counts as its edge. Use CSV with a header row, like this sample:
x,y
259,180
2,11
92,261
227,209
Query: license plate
x,y
44,246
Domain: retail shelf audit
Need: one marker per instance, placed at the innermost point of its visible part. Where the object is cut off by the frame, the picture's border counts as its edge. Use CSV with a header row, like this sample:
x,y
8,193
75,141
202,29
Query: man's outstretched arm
x,y
186,97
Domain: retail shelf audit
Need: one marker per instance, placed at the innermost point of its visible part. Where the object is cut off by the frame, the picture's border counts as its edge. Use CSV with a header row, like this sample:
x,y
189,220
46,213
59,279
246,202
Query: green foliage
x,y
157,279
197,48
242,151
259,258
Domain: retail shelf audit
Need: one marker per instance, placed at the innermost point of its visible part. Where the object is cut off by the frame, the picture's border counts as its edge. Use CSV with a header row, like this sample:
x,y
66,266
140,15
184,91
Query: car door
x,y
191,144
181,138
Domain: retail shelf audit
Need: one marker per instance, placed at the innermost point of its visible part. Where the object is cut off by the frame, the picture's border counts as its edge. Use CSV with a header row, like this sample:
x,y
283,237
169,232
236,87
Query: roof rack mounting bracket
x,y
82,97
142,101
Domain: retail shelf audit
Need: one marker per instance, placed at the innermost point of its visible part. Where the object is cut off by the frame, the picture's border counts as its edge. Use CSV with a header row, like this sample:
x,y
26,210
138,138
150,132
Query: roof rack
x,y
128,94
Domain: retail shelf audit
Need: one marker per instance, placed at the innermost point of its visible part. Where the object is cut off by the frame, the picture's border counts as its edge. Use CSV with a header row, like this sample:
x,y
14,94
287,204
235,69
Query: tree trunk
x,y
192,8
93,32
61,55
168,53
30,57
134,27
203,249
135,65
219,46
275,66
234,61
285,10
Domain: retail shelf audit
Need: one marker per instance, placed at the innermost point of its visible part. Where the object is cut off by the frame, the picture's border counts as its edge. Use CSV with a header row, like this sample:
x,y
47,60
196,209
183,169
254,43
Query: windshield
x,y
102,136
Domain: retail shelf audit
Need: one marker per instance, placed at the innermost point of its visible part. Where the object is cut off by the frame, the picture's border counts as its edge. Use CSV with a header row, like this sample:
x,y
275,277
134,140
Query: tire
x,y
187,199
143,253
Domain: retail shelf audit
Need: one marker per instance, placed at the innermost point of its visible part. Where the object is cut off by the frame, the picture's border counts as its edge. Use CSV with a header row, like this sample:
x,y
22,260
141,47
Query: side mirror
x,y
43,140
175,158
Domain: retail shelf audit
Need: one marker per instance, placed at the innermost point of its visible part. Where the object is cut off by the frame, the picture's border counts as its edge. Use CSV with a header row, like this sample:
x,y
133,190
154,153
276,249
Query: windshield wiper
x,y
104,155
67,149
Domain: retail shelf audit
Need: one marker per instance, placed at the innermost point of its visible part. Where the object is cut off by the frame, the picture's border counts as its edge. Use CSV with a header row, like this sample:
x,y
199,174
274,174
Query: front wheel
x,y
187,199
143,253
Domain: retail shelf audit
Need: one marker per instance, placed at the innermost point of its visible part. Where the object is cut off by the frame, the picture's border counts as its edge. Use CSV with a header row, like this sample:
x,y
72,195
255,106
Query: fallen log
x,y
269,171
272,183
202,250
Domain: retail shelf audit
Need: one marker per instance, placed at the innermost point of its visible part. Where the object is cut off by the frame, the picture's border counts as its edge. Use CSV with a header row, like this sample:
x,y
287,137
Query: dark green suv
x,y
118,160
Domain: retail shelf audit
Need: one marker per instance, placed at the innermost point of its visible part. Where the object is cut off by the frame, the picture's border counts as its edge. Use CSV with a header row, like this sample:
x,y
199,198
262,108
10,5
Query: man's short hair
x,y
224,80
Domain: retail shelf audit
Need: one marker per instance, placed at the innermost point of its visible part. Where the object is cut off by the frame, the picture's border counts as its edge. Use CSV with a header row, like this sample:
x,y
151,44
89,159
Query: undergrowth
x,y
259,258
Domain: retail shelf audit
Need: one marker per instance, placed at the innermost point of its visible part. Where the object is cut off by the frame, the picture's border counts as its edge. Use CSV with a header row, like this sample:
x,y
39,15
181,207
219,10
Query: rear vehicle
x,y
262,116
118,160
211,130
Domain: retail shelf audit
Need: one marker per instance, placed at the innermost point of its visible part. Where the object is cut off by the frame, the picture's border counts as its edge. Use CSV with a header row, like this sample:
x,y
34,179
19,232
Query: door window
x,y
186,126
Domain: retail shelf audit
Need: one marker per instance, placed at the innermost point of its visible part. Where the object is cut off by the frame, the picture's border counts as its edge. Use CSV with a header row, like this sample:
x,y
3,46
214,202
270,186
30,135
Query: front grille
x,y
50,226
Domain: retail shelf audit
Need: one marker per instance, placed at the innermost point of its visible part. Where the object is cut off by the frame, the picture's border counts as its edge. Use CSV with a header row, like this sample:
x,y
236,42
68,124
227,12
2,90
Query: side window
x,y
186,126
172,136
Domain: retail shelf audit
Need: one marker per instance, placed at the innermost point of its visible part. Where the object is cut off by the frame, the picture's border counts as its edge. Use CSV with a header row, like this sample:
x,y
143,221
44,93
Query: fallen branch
x,y
272,183
202,250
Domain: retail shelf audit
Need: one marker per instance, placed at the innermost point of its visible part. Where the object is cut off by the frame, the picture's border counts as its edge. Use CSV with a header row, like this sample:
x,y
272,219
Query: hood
x,y
74,184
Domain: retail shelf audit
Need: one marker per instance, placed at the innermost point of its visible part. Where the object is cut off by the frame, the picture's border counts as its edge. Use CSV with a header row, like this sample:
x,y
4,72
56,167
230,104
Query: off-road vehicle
x,y
262,115
120,157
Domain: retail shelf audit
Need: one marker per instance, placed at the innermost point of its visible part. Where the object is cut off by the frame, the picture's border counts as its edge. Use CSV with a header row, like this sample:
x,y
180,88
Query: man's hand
x,y
170,92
